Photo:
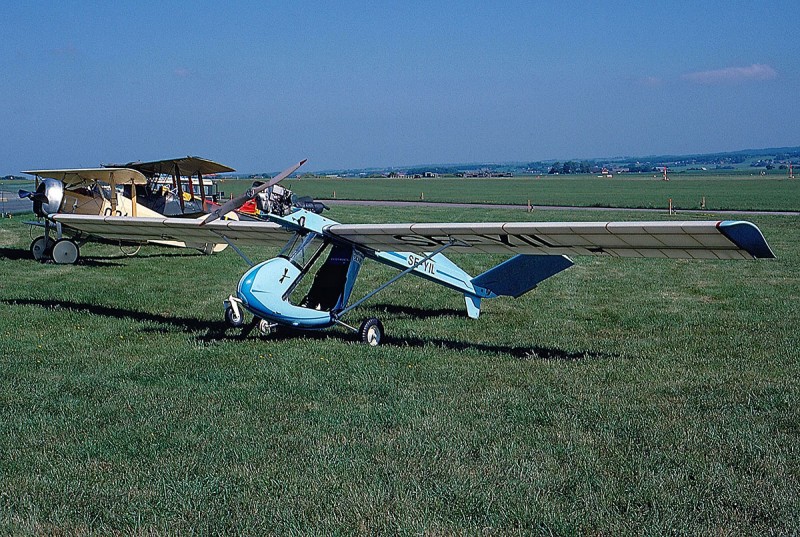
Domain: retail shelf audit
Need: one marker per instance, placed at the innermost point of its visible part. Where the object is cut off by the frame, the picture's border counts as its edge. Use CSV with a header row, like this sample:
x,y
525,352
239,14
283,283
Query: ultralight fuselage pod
x,y
264,290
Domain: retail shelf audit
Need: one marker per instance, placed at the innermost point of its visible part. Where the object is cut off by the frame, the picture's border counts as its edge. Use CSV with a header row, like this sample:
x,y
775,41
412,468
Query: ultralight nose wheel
x,y
371,332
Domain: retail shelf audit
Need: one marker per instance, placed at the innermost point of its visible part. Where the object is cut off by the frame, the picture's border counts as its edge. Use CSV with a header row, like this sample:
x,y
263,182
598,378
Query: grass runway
x,y
619,397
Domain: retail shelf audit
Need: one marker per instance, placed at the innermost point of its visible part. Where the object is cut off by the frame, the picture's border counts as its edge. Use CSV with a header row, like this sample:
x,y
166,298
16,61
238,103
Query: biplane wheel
x,y
40,246
371,332
234,318
65,252
264,327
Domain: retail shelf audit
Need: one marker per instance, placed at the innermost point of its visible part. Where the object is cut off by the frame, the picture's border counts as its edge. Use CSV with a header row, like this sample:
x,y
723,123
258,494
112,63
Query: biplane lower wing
x,y
670,240
186,230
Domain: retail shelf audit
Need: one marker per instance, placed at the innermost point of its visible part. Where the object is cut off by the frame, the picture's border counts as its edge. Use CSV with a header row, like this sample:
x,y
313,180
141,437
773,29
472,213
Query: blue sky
x,y
259,85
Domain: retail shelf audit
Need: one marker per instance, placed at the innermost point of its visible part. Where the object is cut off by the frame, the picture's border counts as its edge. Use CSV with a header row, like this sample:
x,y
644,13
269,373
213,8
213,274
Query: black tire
x,y
233,320
371,332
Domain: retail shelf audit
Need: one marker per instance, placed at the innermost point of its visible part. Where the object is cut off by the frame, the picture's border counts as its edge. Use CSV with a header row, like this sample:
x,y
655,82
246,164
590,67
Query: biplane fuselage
x,y
102,192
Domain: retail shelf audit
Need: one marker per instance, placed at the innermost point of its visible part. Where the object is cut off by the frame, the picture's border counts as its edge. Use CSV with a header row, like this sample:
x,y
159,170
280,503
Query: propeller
x,y
251,193
34,196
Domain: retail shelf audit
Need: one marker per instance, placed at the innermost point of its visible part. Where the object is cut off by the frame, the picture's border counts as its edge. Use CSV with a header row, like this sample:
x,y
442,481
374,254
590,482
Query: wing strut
x,y
238,251
176,179
452,242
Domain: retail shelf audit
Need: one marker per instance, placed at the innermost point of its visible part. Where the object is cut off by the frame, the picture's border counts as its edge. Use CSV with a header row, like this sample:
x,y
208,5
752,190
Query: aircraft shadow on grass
x,y
219,331
17,254
20,254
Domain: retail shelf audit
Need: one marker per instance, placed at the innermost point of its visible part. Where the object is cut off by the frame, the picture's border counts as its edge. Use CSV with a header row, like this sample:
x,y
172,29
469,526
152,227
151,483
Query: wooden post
x,y
422,195
530,207
334,194
670,206
703,203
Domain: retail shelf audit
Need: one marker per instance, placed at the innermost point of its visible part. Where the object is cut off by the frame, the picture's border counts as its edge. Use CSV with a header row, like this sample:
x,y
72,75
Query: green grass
x,y
620,397
768,193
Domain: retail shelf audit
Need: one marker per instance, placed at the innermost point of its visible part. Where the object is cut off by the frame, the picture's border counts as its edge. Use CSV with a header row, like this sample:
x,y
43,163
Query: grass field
x,y
620,397
770,193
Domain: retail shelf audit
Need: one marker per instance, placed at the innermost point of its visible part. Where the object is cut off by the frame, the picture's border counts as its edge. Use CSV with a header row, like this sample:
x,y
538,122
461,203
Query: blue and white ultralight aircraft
x,y
272,293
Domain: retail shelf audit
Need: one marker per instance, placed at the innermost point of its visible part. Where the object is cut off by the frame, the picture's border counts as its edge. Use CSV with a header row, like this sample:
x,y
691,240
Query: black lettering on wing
x,y
415,240
535,241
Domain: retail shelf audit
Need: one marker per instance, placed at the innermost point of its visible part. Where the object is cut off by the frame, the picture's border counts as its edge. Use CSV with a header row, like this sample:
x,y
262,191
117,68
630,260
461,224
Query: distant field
x,y
621,397
720,192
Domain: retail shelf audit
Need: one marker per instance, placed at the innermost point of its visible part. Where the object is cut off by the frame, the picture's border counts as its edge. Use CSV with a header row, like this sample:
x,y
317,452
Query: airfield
x,y
623,396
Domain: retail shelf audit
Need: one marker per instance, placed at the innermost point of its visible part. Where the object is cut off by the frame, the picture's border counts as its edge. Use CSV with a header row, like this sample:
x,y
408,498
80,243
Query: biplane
x,y
134,189
287,291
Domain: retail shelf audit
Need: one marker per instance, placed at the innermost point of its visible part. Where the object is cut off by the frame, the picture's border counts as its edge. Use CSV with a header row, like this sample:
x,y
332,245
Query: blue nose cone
x,y
264,290
263,287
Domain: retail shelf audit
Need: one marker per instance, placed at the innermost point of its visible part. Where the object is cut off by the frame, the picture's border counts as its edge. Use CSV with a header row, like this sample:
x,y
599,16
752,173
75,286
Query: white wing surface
x,y
674,240
176,229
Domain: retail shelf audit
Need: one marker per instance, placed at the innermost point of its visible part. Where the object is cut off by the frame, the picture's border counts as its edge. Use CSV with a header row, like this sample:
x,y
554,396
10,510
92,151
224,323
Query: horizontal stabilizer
x,y
747,237
521,273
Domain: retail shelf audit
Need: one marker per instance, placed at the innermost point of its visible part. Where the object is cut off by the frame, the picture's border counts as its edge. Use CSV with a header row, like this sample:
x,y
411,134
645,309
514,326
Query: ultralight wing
x,y
673,240
187,230
87,175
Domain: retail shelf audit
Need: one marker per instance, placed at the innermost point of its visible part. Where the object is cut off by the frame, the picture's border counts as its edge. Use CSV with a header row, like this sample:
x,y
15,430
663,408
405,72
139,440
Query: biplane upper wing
x,y
88,175
674,240
186,230
186,166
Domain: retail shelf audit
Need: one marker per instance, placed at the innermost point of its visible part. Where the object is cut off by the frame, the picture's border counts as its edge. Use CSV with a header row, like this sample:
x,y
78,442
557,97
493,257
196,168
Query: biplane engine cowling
x,y
48,197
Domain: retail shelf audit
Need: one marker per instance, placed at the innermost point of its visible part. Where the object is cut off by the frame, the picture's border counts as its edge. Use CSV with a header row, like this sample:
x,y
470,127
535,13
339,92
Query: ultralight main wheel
x,y
371,332
265,327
